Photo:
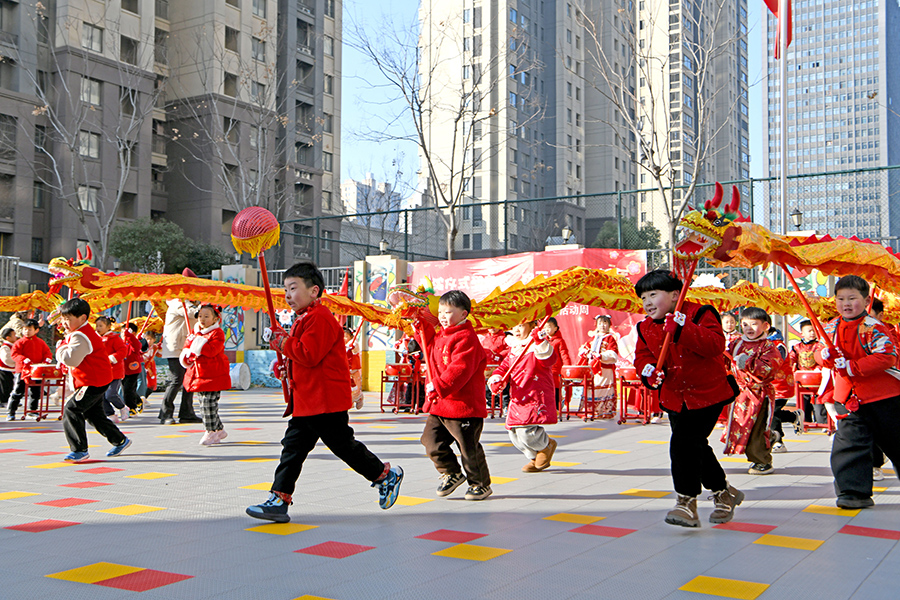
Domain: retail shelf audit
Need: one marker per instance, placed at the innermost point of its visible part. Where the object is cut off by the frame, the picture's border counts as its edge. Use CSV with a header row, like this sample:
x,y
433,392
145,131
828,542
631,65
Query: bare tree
x,y
444,100
633,81
74,129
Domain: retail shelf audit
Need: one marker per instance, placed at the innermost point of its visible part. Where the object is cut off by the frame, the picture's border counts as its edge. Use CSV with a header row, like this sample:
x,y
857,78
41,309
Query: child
x,y
532,399
207,370
132,367
316,366
117,352
457,392
494,344
149,358
83,352
7,364
783,392
355,368
601,353
803,358
693,388
551,328
866,382
729,328
28,350
757,362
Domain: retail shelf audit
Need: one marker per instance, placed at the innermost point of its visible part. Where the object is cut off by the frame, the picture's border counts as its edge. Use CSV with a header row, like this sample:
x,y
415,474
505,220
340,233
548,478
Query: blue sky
x,y
361,99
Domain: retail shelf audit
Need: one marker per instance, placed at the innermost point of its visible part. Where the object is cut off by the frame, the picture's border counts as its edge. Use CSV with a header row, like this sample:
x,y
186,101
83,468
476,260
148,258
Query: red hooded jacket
x,y
204,357
135,359
457,366
532,393
117,349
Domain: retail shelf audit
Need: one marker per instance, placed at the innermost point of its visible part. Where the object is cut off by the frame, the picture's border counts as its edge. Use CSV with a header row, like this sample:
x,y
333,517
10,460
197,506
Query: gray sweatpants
x,y
529,439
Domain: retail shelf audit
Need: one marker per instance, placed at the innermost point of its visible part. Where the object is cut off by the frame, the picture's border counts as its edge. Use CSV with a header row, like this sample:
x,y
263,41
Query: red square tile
x,y
39,526
44,453
451,536
885,534
603,530
67,502
192,430
44,431
5,450
84,484
141,581
335,549
746,527
100,470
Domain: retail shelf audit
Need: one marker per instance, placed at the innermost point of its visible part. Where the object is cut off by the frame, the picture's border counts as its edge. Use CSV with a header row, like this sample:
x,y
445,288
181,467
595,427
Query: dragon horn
x,y
90,255
78,254
717,198
735,200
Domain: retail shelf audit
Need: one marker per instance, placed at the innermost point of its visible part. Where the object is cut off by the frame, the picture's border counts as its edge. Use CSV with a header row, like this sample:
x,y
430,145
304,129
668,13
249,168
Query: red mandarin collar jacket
x,y
457,366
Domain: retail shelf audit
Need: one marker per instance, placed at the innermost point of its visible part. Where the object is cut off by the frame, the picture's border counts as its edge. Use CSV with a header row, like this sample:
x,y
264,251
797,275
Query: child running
x,y
693,388
28,350
457,393
132,367
867,382
803,358
207,370
7,364
149,356
117,352
82,351
355,364
532,400
601,353
319,400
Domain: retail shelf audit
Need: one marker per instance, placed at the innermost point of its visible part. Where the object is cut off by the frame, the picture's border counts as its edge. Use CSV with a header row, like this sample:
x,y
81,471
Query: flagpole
x,y
782,74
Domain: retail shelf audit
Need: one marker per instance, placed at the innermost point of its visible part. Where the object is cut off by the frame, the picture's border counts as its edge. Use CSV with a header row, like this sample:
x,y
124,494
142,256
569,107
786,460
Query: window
x,y
129,102
328,124
476,241
40,136
329,84
232,39
259,8
513,15
231,129
87,198
254,136
130,6
234,3
39,194
327,237
329,45
466,241
37,250
303,154
327,161
467,72
467,15
258,92
329,8
128,50
326,200
90,91
91,37
512,98
230,85
88,144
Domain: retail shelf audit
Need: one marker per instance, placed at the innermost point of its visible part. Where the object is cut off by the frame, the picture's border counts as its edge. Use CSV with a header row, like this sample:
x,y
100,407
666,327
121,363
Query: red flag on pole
x,y
773,7
345,287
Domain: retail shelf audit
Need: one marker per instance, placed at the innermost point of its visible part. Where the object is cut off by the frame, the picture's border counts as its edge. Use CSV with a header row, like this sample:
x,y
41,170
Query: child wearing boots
x,y
207,370
532,401
319,398
693,388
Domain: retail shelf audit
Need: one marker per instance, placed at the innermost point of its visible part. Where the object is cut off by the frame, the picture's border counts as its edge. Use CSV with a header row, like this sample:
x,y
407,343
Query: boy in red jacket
x,y
133,362
117,352
867,382
28,350
319,400
693,388
457,362
83,352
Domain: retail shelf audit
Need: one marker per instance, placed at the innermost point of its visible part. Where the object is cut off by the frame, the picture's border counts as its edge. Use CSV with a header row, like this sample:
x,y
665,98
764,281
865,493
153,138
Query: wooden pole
x,y
667,341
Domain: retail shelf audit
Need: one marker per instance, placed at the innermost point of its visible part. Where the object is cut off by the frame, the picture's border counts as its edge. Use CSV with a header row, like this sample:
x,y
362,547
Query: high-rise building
x,y
841,80
370,196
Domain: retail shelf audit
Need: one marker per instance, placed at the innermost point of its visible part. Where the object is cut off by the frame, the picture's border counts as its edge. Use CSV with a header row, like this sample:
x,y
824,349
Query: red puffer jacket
x,y
532,392
457,365
205,360
135,359
117,352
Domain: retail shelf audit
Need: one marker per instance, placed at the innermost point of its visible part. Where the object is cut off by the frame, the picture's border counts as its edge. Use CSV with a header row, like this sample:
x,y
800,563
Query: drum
x,y
808,378
398,369
45,372
629,374
576,371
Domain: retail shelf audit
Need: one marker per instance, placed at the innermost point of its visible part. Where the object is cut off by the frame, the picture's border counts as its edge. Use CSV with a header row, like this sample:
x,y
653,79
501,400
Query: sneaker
x,y
10,417
123,413
169,421
76,457
760,469
854,502
117,450
208,438
685,512
779,448
477,492
273,509
798,423
877,474
655,420
389,487
191,419
449,482
220,435
140,405
726,500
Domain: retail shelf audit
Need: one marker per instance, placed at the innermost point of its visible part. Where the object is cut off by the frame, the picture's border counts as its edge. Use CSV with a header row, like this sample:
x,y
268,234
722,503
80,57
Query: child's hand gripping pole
x,y
809,311
254,230
508,374
669,335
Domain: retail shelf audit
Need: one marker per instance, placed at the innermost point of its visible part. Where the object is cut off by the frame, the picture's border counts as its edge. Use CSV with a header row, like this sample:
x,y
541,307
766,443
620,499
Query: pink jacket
x,y
532,391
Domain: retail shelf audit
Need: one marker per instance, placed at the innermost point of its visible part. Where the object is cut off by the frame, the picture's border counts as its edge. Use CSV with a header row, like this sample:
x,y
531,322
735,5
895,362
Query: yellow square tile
x,y
174,435
256,460
831,510
131,509
53,465
655,442
282,528
244,420
410,438
95,572
593,428
412,501
556,437
470,552
612,451
165,452
383,426
886,470
252,442
559,463
308,597
645,493
501,480
13,442
783,541
499,444
13,495
151,475
796,441
572,518
258,486
879,489
727,588
735,459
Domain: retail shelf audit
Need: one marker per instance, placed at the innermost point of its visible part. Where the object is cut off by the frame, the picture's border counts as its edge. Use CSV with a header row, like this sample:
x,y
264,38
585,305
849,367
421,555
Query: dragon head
x,y
711,232
407,302
66,272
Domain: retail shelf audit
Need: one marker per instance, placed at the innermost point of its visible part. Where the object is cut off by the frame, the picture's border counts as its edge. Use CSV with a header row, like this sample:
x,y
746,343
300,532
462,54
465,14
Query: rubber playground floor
x,y
166,519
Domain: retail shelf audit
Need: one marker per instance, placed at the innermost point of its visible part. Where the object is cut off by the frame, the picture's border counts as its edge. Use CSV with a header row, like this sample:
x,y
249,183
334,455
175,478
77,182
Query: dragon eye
x,y
719,222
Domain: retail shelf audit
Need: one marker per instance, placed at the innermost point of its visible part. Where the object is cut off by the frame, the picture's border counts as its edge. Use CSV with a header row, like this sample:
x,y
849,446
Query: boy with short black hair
x,y
82,351
7,364
693,389
867,382
802,357
28,350
319,399
457,363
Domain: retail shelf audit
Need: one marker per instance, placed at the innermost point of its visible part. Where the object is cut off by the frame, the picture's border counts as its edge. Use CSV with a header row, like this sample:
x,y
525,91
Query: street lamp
x,y
116,265
797,218
566,234
382,246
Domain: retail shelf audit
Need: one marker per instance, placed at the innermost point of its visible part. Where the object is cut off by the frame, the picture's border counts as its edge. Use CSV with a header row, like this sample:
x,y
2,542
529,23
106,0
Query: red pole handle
x,y
809,311
667,341
274,321
146,322
509,371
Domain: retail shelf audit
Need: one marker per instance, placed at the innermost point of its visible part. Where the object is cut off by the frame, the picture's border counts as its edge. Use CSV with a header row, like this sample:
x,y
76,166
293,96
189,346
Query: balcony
x,y
9,39
162,9
306,7
304,49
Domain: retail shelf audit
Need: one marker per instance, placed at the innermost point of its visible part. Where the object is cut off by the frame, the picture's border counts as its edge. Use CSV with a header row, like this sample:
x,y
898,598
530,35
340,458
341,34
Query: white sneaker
x,y
208,438
115,418
877,474
123,413
219,436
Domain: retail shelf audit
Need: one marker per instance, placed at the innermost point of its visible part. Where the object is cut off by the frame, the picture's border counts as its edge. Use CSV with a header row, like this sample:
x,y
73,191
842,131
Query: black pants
x,y
438,438
18,392
176,383
89,408
335,432
694,464
6,386
782,416
129,390
851,450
